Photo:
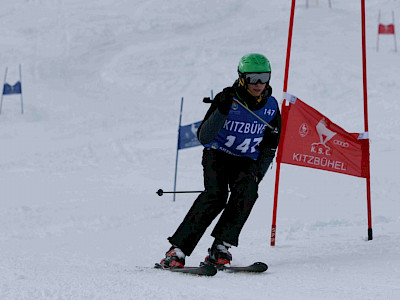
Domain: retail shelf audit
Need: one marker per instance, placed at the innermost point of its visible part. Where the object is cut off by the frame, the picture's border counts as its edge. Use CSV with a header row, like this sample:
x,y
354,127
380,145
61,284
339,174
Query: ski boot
x,y
218,254
174,258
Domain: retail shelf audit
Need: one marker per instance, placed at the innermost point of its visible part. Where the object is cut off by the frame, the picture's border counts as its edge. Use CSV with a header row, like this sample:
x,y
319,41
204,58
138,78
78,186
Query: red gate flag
x,y
312,140
386,29
305,131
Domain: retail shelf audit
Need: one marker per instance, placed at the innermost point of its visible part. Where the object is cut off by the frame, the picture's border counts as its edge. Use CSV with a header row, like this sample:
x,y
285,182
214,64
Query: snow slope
x,y
102,83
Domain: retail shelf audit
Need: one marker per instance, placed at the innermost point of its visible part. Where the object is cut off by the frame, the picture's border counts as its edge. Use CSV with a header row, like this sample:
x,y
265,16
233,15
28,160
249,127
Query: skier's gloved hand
x,y
225,100
259,168
271,138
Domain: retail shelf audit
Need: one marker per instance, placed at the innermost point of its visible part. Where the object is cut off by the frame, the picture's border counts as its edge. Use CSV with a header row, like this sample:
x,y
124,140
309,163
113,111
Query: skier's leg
x,y
207,205
243,196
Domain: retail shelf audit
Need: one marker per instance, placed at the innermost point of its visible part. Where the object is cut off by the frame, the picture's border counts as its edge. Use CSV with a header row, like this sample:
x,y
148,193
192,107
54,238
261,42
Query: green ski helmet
x,y
254,63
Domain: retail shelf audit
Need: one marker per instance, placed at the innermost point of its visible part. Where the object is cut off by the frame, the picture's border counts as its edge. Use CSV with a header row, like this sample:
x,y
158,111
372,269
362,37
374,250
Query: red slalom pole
x,y
284,118
377,38
394,34
364,61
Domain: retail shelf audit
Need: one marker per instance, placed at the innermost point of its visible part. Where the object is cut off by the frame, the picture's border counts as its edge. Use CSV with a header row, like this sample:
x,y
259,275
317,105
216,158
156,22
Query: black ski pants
x,y
221,171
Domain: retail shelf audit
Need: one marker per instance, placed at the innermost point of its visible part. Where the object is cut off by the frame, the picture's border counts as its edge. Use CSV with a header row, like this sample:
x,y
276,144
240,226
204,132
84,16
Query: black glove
x,y
259,167
225,100
271,138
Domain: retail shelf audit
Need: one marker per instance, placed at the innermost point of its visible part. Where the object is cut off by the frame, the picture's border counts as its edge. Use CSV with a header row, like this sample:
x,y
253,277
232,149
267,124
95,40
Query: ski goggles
x,y
253,78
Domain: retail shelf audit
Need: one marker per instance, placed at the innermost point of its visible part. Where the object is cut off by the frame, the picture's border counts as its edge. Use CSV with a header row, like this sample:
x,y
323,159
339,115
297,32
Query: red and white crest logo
x,y
303,130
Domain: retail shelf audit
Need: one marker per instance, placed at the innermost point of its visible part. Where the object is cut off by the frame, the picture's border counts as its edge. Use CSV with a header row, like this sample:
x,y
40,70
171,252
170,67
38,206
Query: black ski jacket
x,y
214,120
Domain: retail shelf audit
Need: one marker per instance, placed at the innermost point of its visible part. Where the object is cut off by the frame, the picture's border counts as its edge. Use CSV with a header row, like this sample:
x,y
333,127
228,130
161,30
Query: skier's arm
x,y
215,116
210,127
267,148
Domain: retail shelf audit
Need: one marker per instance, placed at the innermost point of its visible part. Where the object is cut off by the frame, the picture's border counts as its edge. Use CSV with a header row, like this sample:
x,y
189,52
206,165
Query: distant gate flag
x,y
386,29
12,89
188,136
312,140
9,89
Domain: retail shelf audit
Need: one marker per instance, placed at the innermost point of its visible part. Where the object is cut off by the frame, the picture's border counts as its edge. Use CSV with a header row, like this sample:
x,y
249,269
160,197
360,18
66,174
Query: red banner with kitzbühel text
x,y
312,140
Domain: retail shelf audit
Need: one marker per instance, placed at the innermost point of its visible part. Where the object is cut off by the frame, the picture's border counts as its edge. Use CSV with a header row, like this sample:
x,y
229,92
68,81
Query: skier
x,y
238,149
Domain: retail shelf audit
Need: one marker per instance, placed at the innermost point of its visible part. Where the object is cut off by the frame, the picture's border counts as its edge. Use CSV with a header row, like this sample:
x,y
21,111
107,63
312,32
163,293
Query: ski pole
x,y
273,129
160,192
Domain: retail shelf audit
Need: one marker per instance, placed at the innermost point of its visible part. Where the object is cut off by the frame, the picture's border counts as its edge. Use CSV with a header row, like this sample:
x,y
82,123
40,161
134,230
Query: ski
x,y
203,270
210,270
257,267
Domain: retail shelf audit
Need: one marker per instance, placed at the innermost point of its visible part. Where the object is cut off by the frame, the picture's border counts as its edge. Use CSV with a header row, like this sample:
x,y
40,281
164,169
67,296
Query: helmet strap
x,y
258,98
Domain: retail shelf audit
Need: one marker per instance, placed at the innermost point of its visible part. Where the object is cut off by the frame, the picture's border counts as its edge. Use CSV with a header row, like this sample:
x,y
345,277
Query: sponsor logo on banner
x,y
319,148
325,135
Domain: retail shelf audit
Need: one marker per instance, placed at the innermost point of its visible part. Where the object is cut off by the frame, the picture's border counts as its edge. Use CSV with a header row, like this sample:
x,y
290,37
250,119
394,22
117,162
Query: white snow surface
x,y
102,83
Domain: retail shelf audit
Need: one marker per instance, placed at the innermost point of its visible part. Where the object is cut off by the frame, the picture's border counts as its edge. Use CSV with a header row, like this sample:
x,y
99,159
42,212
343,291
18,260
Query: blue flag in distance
x,y
12,89
188,136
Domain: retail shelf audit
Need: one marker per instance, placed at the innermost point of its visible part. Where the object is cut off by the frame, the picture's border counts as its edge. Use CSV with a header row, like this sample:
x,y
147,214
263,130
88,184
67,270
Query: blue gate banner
x,y
12,89
188,136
